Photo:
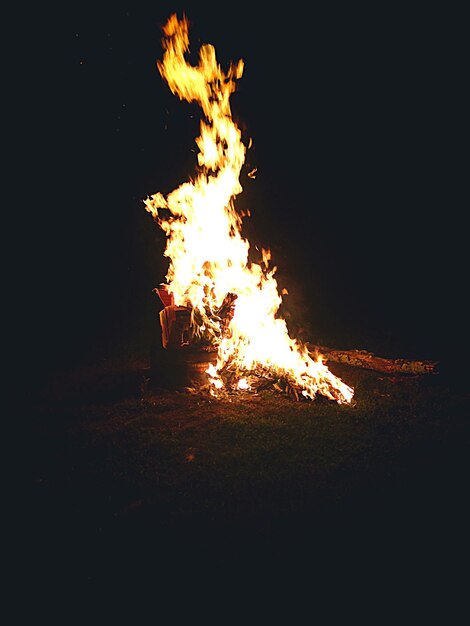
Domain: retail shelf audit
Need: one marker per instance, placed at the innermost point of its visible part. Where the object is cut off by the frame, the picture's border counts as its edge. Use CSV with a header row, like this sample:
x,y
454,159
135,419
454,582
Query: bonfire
x,y
215,293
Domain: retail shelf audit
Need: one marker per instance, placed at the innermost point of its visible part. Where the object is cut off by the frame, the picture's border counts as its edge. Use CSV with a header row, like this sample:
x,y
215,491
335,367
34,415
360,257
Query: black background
x,y
357,116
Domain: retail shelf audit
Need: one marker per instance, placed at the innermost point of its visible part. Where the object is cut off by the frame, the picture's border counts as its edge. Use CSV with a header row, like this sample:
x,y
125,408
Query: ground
x,y
123,471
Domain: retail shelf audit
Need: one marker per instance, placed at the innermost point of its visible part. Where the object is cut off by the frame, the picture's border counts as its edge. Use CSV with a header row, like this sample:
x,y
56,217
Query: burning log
x,y
368,360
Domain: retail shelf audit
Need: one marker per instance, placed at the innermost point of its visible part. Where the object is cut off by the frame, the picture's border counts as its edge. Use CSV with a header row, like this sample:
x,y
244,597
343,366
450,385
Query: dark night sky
x,y
357,118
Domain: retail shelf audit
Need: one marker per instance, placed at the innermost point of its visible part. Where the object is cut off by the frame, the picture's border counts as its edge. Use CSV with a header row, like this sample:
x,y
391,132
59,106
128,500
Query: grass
x,y
119,466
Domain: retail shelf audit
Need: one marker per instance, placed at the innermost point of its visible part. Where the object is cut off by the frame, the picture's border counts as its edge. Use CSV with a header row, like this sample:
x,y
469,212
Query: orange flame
x,y
209,267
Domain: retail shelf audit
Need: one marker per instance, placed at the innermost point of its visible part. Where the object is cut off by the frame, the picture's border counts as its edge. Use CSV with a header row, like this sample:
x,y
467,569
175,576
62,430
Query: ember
x,y
214,294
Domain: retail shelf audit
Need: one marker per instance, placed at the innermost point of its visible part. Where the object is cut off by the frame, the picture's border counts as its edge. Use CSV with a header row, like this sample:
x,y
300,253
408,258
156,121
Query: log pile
x,y
176,321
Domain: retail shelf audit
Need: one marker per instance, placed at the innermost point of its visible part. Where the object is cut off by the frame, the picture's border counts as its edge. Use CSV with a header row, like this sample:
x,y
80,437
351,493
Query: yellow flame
x,y
209,263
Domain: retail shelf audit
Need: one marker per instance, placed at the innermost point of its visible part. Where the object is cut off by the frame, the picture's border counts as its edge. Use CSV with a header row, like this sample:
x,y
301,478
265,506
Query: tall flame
x,y
209,267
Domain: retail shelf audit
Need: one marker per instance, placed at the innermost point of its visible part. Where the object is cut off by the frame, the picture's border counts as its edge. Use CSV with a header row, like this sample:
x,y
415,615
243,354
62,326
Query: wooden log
x,y
368,360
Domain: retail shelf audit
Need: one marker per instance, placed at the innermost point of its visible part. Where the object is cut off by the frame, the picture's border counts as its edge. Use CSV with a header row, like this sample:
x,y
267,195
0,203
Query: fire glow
x,y
209,267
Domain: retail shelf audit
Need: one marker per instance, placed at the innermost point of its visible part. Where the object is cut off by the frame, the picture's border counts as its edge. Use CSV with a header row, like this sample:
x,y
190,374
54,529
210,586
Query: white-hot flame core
x,y
209,258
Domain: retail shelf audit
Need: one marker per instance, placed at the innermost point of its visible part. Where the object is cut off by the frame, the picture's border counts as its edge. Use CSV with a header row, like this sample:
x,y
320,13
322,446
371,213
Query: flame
x,y
234,301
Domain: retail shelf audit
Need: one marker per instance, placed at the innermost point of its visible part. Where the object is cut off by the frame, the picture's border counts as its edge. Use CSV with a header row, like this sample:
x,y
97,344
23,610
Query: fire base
x,y
180,368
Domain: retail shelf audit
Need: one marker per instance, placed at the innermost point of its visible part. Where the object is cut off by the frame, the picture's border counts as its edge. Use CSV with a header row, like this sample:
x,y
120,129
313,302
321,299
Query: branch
x,y
367,360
